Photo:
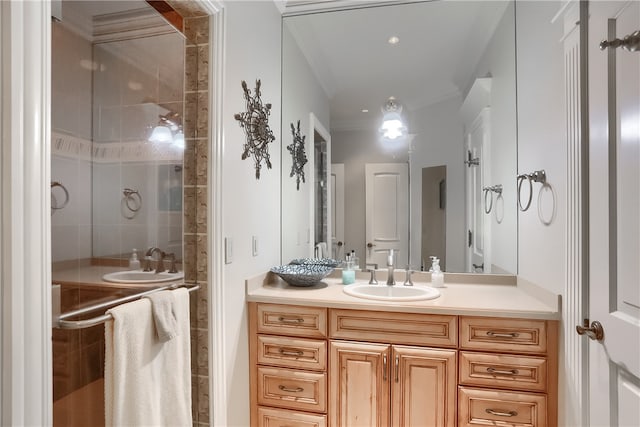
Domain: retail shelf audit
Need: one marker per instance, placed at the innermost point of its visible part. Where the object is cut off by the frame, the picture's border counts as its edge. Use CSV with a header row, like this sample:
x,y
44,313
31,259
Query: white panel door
x,y
614,225
478,241
387,212
337,210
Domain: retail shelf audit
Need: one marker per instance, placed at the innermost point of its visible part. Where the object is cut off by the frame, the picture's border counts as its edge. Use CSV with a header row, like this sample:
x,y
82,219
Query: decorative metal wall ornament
x,y
298,155
255,122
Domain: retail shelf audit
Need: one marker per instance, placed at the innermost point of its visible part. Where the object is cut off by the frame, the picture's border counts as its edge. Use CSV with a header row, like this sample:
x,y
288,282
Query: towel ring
x,y
537,176
490,190
521,179
132,199
66,194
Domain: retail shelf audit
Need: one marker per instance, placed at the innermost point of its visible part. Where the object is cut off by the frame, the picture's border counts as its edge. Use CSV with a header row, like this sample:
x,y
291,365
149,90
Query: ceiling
x,y
440,45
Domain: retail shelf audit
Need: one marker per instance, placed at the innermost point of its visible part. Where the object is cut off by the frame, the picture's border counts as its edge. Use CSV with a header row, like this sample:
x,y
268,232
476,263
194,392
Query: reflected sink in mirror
x,y
391,293
129,276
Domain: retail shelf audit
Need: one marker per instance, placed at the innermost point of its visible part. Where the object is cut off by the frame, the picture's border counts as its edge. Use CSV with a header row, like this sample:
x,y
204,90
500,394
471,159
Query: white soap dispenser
x,y
437,276
134,262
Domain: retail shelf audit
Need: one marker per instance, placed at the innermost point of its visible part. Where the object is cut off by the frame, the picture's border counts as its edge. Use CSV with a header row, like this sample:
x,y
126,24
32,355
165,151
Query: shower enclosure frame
x,y
25,255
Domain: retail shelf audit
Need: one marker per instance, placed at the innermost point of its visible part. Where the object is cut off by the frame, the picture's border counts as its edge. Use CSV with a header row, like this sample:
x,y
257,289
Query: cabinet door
x,y
423,387
359,386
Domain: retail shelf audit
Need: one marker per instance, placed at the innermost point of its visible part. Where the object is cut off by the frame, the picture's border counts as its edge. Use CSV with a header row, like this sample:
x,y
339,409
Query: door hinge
x,y
469,238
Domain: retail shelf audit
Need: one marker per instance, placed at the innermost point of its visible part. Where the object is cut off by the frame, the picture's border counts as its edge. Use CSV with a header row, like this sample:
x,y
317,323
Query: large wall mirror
x,y
117,133
444,184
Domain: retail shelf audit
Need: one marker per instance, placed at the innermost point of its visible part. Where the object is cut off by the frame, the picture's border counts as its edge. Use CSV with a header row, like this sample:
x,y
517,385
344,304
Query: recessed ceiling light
x,y
364,110
394,40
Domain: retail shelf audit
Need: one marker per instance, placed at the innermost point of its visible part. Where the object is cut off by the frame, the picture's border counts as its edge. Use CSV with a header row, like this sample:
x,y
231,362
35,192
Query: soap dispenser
x,y
437,276
134,262
348,272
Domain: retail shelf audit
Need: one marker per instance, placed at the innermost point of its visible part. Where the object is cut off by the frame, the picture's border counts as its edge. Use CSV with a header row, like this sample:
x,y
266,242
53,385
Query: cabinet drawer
x,y
511,335
269,417
287,388
292,320
527,373
292,352
396,328
491,407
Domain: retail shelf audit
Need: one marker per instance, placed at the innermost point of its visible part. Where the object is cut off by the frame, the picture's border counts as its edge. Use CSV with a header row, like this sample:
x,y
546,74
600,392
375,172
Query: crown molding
x,y
129,24
303,7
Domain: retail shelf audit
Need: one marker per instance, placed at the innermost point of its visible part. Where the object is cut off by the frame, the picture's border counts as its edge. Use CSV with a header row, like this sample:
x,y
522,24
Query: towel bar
x,y
60,322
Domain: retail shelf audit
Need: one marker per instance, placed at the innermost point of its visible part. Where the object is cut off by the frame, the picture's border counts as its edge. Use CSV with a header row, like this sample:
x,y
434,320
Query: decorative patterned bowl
x,y
302,274
329,262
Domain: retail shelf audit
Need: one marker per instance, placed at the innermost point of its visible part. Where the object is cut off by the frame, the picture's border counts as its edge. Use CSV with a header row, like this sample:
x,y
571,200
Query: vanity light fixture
x,y
392,125
168,130
161,134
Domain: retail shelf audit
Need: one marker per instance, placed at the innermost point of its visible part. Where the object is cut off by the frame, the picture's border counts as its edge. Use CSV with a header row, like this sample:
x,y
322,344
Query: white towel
x,y
164,314
147,382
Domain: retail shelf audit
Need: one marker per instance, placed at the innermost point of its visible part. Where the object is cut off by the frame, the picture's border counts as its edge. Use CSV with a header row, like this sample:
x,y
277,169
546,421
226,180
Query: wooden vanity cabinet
x,y
319,367
382,385
288,365
393,382
508,372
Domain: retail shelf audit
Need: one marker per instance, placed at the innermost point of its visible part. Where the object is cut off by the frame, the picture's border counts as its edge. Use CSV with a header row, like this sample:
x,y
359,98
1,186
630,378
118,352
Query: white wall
x,y
498,61
301,95
439,141
251,207
541,141
542,145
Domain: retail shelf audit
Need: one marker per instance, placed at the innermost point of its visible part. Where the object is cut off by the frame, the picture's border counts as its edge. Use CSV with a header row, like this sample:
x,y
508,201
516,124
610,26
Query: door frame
x,y
26,390
25,36
315,125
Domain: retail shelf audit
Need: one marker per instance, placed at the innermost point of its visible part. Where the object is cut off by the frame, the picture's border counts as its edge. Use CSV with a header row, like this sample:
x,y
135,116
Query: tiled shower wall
x,y
196,130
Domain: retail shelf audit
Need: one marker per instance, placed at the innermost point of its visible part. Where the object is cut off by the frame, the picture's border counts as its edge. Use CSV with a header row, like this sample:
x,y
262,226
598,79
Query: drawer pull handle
x,y
384,367
502,371
501,413
501,335
397,368
290,389
291,352
283,319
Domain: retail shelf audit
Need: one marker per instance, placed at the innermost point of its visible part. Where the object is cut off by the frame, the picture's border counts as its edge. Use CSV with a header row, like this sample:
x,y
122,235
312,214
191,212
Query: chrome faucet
x,y
372,280
149,255
408,281
391,281
172,266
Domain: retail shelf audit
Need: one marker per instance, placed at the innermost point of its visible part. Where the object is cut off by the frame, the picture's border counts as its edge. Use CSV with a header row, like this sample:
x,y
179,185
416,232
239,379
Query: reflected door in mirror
x,y
387,206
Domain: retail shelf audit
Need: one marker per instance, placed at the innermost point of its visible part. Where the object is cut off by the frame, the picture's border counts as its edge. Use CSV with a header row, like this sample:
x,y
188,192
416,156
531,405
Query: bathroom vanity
x,y
480,354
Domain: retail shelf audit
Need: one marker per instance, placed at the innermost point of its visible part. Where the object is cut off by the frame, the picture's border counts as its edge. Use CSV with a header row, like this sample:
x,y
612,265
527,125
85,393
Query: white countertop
x,y
91,275
471,295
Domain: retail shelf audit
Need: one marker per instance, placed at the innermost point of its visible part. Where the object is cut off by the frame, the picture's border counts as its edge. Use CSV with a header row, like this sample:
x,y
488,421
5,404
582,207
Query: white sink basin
x,y
137,276
383,292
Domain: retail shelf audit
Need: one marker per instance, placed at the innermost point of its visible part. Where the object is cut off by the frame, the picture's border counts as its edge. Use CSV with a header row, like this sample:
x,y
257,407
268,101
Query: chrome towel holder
x,y
488,206
55,184
132,200
537,176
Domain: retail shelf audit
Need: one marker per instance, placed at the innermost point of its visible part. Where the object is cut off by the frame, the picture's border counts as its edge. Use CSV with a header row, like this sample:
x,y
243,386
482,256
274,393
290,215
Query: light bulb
x,y
161,134
178,140
392,129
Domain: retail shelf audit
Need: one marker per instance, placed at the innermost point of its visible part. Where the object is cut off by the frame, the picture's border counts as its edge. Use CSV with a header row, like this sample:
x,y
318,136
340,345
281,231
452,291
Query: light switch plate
x,y
254,245
228,250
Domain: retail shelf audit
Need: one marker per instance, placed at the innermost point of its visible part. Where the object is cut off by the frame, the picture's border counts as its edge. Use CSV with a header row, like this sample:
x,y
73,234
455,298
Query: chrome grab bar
x,y
61,321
